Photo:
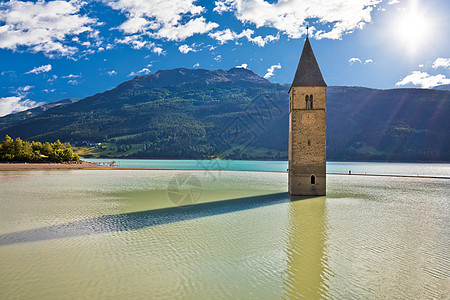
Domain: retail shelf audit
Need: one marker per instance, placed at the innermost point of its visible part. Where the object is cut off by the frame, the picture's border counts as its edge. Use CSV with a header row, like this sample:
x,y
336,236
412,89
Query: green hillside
x,y
185,113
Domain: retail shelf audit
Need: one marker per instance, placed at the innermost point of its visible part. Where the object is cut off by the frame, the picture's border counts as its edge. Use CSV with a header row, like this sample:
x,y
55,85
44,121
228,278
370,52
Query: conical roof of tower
x,y
308,72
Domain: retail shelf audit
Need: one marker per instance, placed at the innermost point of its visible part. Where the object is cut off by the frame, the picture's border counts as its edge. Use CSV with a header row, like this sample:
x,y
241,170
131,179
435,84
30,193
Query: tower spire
x,y
308,71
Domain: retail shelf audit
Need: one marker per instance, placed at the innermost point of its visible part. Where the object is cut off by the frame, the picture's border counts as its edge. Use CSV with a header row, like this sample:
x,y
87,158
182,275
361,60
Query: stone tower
x,y
307,128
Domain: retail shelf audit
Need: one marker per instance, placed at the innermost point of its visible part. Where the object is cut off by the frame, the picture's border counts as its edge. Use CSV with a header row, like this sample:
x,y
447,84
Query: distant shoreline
x,y
84,165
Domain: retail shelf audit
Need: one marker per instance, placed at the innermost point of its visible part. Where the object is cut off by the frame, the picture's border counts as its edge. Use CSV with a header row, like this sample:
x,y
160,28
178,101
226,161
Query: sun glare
x,y
413,28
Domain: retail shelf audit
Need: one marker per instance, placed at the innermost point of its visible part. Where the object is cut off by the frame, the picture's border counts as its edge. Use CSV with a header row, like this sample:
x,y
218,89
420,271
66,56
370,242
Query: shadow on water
x,y
142,219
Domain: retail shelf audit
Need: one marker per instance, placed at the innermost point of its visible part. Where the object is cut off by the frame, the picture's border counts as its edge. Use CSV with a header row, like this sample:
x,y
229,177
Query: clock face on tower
x,y
308,119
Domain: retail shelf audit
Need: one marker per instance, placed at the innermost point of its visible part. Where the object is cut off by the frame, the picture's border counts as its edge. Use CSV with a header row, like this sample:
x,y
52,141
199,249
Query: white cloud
x,y
183,31
441,62
421,66
173,20
22,91
392,2
53,78
159,51
71,76
262,41
41,26
289,16
73,82
49,91
223,36
136,42
9,105
222,6
143,71
218,58
186,49
112,72
424,79
358,60
41,69
271,69
354,60
196,65
243,66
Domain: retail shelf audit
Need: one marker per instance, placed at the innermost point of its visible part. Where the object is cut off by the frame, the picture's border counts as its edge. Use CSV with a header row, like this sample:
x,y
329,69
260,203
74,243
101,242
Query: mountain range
x,y
236,114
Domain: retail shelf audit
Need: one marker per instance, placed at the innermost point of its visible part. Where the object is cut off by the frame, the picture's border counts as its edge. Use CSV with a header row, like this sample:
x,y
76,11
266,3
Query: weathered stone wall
x,y
307,142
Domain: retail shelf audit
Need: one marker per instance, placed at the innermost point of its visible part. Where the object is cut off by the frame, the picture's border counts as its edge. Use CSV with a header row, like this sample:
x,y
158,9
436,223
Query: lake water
x,y
414,169
134,234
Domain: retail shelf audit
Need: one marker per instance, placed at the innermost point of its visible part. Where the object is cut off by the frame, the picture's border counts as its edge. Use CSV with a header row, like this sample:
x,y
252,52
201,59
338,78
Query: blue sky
x,y
51,50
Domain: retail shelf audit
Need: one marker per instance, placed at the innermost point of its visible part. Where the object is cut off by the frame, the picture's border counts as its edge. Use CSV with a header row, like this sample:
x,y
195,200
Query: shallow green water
x,y
122,235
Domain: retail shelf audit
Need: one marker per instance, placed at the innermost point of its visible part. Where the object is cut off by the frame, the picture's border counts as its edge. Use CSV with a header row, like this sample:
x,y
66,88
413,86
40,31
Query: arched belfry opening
x,y
311,102
313,179
306,102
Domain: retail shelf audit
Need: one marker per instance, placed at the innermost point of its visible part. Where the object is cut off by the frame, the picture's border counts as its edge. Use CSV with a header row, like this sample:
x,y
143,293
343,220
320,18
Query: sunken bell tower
x,y
307,128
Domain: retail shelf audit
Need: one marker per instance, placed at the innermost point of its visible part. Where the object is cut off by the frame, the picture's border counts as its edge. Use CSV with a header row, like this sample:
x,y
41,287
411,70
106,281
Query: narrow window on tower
x,y
311,100
313,179
306,102
309,143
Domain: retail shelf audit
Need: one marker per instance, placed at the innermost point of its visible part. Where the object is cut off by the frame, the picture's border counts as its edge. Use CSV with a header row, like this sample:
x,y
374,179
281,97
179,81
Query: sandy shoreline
x,y
84,165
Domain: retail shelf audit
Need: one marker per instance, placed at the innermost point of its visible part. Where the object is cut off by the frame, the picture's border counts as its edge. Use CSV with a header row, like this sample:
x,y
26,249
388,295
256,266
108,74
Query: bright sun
x,y
413,28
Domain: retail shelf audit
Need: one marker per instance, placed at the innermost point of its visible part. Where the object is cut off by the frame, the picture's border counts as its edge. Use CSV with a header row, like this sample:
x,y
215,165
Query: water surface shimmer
x,y
120,234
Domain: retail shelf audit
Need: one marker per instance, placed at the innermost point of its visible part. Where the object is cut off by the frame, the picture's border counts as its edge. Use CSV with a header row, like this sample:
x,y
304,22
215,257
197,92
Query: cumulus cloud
x,y
271,69
112,72
9,105
243,66
41,26
424,79
143,71
392,2
218,58
186,49
353,60
223,36
196,65
136,42
158,50
421,65
441,62
358,60
289,16
223,6
173,20
41,69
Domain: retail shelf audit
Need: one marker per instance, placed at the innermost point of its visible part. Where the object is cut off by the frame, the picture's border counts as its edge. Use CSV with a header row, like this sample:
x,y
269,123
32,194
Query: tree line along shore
x,y
20,151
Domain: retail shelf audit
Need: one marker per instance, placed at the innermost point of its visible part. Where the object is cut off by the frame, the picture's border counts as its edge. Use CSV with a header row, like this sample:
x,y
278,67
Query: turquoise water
x,y
171,234
422,169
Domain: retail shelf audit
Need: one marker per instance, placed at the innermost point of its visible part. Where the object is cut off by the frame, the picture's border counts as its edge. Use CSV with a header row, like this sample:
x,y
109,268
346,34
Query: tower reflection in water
x,y
307,270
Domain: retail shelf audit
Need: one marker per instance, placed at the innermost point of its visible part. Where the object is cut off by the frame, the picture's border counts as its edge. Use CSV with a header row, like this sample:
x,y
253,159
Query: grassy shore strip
x,y
83,165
